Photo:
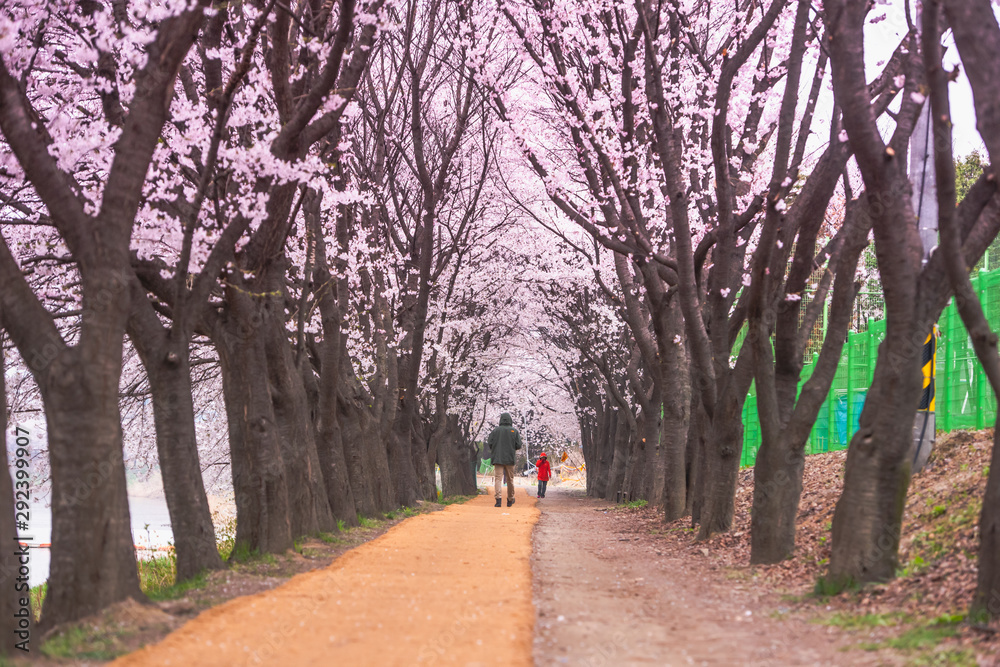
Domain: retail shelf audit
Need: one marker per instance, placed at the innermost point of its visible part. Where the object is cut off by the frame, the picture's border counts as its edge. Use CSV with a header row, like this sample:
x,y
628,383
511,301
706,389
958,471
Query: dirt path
x,y
605,597
448,588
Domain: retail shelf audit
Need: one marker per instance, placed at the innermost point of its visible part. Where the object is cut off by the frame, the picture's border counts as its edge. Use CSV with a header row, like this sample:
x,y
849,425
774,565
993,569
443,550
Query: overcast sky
x,y
882,39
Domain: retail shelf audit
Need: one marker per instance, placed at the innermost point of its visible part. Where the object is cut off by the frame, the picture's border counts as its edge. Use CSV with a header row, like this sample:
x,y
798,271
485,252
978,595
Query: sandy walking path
x,y
447,588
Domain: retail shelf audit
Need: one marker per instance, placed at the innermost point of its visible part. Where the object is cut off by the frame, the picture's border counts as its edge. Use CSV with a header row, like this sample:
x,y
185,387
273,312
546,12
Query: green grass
x,y
863,621
454,500
157,574
950,658
242,553
914,640
945,526
225,535
366,522
174,591
245,555
37,595
826,587
406,512
918,642
634,504
157,579
922,637
76,643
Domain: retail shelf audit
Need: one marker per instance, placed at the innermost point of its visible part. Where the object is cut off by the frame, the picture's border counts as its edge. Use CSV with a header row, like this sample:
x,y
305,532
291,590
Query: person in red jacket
x,y
544,474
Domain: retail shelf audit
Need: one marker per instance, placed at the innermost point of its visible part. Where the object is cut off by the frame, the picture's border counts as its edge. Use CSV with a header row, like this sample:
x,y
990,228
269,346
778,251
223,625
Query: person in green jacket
x,y
504,441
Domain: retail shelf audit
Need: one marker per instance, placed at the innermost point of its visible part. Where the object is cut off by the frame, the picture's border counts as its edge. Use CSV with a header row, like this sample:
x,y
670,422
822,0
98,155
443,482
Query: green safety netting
x,y
963,395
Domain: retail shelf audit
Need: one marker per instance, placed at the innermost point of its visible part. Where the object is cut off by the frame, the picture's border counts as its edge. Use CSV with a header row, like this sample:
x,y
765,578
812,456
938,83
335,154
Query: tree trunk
x,y
327,426
471,458
676,421
169,376
166,356
259,483
408,454
413,447
401,464
695,450
604,451
652,483
673,465
437,449
976,32
93,560
869,514
588,448
619,464
641,453
722,464
339,495
358,407
356,453
308,503
454,459
776,493
428,444
331,298
594,442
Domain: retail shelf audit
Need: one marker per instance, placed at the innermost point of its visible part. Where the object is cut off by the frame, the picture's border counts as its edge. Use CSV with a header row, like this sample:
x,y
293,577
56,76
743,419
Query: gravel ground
x,y
608,594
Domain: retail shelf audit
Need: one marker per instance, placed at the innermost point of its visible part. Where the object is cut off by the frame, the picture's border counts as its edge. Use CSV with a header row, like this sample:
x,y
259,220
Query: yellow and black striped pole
x,y
929,359
923,428
921,170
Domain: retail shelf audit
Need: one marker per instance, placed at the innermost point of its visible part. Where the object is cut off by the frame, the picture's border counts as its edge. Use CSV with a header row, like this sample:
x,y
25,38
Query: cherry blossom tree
x,y
668,109
583,59
92,559
866,524
164,347
779,325
273,446
977,36
607,360
424,153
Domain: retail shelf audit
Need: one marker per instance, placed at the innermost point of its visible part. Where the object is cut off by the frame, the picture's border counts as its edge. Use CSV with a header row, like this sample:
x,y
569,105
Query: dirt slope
x,y
448,588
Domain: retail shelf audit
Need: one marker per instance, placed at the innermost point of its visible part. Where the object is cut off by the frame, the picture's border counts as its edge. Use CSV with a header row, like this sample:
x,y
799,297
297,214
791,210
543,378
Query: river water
x,y
150,527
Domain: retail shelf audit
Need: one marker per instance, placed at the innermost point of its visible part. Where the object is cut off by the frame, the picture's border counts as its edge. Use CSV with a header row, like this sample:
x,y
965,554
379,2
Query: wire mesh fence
x,y
963,395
